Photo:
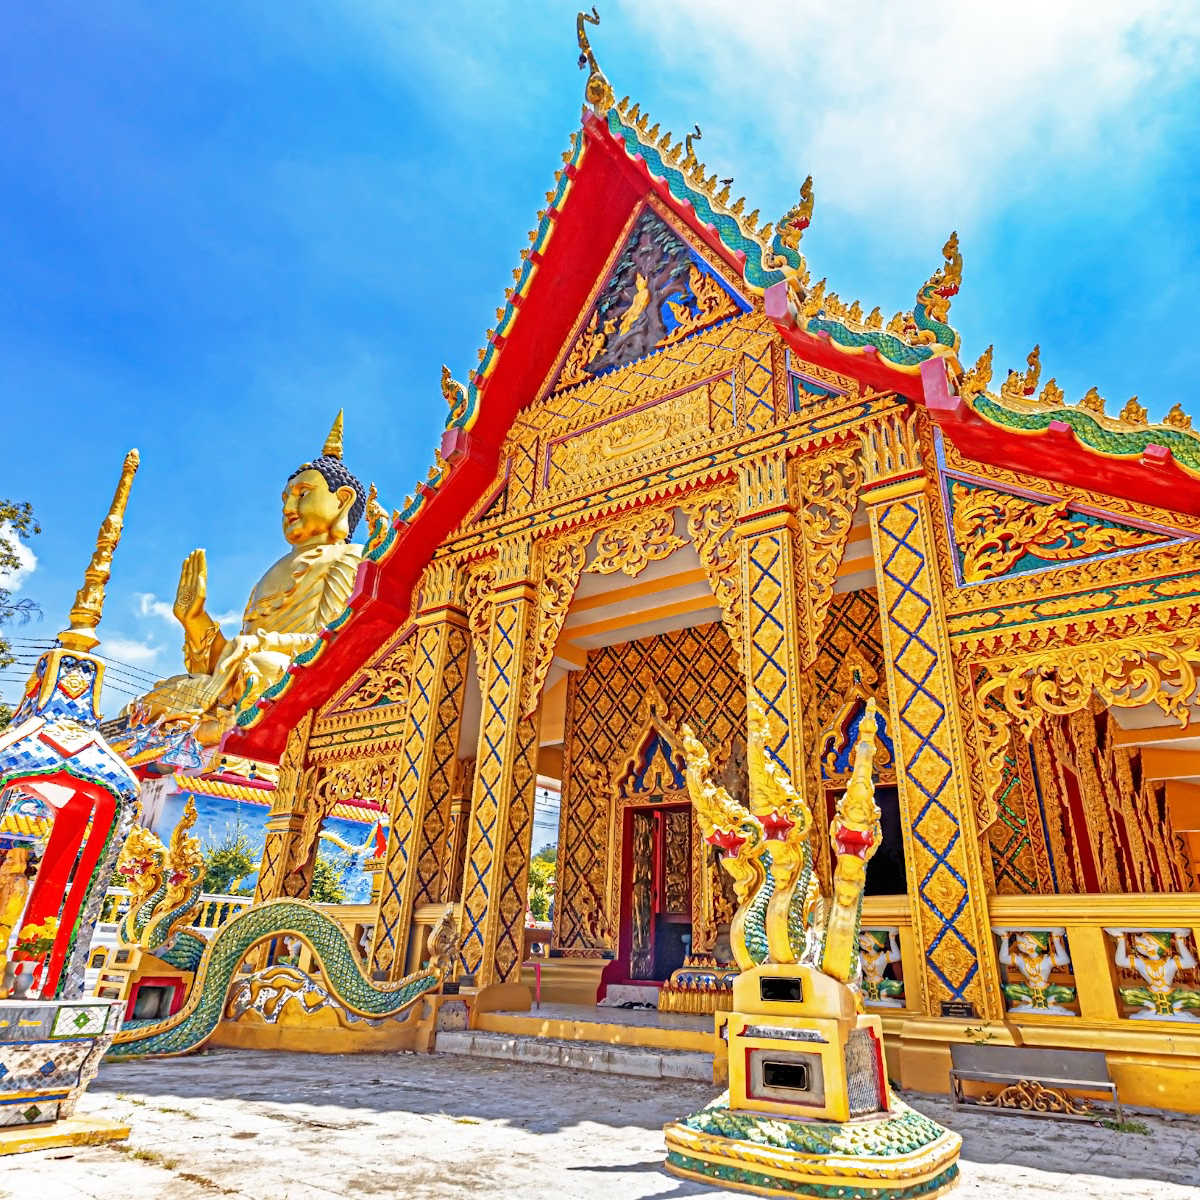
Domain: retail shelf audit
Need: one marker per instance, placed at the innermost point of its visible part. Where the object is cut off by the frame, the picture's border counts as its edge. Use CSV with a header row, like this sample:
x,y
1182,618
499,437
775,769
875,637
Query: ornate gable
x,y
658,290
995,533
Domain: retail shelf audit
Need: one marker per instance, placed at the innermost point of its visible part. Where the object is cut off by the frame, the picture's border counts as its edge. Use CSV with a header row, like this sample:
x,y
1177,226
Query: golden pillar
x,y
501,821
419,808
287,814
941,846
771,652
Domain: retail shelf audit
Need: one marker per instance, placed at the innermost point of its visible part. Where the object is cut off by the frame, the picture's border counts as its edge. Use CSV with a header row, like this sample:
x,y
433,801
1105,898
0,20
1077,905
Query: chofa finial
x,y
597,92
89,600
333,443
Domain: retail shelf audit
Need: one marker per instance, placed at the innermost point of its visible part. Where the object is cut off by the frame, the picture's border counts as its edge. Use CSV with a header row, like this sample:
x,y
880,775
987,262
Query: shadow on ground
x,y
334,1099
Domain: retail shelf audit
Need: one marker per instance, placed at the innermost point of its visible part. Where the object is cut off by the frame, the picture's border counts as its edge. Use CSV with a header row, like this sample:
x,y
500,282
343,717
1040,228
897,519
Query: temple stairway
x,y
612,1041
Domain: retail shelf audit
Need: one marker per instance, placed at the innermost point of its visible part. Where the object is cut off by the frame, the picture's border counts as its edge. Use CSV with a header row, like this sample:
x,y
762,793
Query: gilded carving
x,y
477,598
1159,669
825,487
634,542
602,447
711,517
995,530
562,562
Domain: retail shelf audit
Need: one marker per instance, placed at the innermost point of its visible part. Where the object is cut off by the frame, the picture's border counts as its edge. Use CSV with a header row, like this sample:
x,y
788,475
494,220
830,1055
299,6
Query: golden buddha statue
x,y
298,596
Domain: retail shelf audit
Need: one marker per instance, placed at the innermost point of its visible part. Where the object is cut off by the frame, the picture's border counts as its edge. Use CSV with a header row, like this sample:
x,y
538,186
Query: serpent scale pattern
x,y
903,1131
135,920
755,923
195,1023
1184,445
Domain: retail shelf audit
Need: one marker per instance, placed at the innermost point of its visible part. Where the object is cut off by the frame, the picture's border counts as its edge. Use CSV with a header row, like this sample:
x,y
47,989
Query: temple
x,y
685,478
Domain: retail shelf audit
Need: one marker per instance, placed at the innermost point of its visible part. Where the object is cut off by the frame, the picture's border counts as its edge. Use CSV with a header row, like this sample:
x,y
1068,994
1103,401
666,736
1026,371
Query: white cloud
x,y
927,115
26,560
130,651
147,604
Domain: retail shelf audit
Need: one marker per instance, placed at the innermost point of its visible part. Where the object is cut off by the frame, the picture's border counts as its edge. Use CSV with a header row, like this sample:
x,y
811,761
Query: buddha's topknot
x,y
336,475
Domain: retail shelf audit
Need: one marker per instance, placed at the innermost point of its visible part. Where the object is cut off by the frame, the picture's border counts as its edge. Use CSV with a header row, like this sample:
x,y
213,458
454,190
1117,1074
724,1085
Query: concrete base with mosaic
x,y
50,1051
890,1156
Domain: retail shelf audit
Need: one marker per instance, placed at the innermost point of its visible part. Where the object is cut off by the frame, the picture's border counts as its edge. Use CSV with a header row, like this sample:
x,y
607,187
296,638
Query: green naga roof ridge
x,y
1019,406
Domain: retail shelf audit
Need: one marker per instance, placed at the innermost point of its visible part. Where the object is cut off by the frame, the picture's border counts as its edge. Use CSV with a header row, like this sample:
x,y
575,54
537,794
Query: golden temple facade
x,y
685,477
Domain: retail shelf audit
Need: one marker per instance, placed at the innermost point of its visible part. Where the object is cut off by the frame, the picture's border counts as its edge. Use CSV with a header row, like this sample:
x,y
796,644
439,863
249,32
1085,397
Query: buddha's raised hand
x,y
193,588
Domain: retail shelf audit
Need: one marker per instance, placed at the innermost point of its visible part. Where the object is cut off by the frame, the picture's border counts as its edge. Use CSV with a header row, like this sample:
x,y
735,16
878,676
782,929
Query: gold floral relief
x,y
634,542
1149,668
711,516
477,599
562,562
646,431
825,491
994,530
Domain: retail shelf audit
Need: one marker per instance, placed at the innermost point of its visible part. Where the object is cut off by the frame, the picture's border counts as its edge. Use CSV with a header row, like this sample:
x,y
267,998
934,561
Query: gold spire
x,y
333,443
89,600
598,93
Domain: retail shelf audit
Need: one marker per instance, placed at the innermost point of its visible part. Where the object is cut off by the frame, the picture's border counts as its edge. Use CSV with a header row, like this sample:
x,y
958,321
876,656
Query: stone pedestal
x,y
50,1051
809,1112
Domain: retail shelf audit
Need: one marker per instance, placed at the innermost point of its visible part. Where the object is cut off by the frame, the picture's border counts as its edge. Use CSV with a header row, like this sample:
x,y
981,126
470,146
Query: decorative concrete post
x,y
287,814
945,882
419,808
501,822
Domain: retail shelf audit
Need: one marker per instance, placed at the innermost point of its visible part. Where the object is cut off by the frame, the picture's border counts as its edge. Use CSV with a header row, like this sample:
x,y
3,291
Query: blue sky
x,y
221,223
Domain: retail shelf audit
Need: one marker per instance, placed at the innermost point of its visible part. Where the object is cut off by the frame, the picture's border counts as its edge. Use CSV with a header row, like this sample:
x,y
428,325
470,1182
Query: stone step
x,y
581,1056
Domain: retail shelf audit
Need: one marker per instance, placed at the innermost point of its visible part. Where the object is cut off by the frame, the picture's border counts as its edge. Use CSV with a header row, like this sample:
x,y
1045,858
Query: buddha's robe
x,y
290,605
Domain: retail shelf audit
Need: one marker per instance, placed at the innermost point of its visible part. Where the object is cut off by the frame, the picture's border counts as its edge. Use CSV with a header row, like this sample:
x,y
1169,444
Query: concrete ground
x,y
262,1126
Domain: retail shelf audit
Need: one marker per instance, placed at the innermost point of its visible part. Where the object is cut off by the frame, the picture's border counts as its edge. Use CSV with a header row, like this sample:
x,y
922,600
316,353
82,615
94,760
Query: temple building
x,y
685,475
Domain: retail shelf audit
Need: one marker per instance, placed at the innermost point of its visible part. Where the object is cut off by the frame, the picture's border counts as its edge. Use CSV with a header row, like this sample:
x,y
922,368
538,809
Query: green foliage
x,y
16,520
227,863
1127,1126
5,716
326,883
541,882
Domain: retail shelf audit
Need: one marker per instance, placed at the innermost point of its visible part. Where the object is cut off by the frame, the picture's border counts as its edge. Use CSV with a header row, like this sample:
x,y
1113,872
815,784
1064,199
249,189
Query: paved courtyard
x,y
309,1127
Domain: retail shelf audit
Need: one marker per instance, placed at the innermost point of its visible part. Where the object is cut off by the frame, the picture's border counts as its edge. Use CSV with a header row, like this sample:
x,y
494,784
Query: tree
x,y
541,882
326,883
16,521
227,863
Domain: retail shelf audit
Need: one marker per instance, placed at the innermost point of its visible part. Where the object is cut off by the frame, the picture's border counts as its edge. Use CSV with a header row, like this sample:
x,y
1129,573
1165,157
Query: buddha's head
x,y
322,501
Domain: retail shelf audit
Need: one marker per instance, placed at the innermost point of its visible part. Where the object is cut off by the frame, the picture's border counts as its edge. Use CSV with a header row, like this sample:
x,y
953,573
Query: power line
x,y
23,654
31,644
112,675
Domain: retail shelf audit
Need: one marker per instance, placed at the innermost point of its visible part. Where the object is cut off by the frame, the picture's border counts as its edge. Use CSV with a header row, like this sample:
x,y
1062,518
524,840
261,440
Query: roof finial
x,y
934,296
796,220
598,93
89,600
333,443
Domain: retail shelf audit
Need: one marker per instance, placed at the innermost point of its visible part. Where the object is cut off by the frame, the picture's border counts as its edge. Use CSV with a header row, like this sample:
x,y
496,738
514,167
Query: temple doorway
x,y
656,892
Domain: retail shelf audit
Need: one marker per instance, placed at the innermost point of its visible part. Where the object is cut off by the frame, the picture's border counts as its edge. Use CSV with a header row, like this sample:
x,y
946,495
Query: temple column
x,y
286,819
419,810
771,653
941,846
501,821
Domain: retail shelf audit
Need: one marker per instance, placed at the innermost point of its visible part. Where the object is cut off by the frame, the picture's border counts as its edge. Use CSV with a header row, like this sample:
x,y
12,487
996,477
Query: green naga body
x,y
188,1030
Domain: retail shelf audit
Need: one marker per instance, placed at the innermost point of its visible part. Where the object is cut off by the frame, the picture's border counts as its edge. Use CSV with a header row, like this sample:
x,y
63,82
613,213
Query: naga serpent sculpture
x,y
187,1030
166,885
781,916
